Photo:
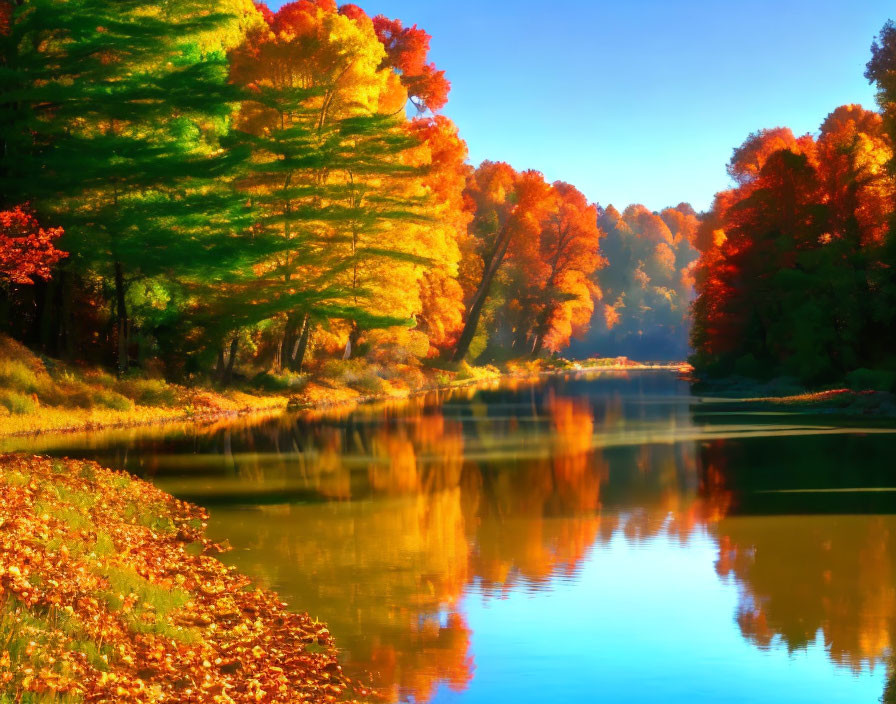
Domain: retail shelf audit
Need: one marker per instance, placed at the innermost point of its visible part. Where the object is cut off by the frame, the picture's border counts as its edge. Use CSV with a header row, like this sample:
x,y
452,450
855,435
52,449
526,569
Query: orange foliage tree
x,y
442,296
792,255
509,208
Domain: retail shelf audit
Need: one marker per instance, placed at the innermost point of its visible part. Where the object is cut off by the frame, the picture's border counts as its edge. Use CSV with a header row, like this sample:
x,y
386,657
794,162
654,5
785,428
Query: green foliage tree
x,y
111,114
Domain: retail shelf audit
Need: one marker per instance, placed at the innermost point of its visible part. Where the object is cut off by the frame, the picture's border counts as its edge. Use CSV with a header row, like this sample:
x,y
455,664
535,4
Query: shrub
x,y
396,345
19,376
369,384
873,379
266,381
97,376
76,395
346,371
16,403
148,392
111,399
748,366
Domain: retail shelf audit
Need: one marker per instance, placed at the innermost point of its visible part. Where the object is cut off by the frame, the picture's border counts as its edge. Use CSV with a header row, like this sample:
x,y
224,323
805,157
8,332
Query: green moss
x,y
21,627
104,545
81,500
121,482
872,379
22,377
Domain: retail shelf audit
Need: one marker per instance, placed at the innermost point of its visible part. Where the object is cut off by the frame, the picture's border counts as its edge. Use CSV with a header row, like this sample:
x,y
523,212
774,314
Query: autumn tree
x,y
569,249
445,233
407,53
331,179
508,208
881,71
791,277
550,293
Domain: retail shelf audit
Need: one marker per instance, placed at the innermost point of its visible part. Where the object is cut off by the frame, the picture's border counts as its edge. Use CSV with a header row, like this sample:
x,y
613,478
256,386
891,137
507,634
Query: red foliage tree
x,y
26,249
407,49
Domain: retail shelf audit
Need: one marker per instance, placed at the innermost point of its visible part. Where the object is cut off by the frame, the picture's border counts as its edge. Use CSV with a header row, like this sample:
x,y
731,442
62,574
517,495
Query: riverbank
x,y
740,393
40,395
111,592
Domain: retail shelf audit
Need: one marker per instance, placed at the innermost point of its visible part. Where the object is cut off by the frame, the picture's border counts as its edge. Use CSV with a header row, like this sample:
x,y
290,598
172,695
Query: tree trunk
x,y
352,345
541,330
4,309
298,353
219,367
287,347
519,338
538,345
228,372
121,319
278,355
478,302
66,323
34,321
49,318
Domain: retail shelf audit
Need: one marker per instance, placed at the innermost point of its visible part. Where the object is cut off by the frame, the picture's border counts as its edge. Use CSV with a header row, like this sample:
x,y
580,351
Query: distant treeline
x,y
646,286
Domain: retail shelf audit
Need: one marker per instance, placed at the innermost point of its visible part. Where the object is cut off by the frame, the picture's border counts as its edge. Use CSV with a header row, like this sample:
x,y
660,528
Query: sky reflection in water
x,y
583,539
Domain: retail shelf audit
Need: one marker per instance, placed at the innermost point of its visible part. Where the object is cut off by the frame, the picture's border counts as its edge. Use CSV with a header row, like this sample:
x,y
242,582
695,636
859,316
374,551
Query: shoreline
x,y
756,395
317,399
137,419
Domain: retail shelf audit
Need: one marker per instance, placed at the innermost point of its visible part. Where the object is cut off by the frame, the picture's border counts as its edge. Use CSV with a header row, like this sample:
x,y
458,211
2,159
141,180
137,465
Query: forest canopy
x,y
199,188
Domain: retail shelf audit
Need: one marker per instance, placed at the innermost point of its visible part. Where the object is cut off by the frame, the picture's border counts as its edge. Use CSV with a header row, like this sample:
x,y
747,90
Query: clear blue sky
x,y
641,100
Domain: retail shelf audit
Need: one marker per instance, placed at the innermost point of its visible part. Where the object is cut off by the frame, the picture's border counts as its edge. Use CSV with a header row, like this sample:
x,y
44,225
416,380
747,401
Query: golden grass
x,y
37,397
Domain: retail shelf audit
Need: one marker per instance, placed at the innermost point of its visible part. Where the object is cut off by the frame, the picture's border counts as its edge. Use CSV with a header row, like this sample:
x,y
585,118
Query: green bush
x,y
266,381
110,399
871,379
76,395
748,366
148,392
369,384
357,374
16,403
21,377
342,369
104,379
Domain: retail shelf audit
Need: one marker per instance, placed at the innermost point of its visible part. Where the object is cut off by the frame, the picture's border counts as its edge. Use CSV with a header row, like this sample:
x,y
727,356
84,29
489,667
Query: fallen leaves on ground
x,y
110,592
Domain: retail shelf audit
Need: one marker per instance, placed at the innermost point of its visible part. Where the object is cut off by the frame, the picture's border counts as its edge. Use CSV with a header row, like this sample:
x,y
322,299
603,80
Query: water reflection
x,y
386,521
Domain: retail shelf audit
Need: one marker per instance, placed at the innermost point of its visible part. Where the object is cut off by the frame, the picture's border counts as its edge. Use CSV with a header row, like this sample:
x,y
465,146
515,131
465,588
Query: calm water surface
x,y
604,538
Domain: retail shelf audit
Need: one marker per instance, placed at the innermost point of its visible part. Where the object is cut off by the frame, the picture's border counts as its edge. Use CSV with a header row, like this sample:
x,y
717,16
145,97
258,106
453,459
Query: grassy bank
x,y
857,395
109,591
39,394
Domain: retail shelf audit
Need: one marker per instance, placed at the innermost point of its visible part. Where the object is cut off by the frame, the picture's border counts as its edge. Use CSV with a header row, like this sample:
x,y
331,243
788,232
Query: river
x,y
602,537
